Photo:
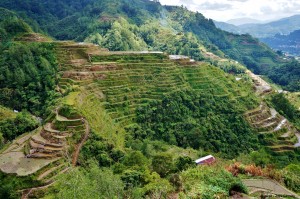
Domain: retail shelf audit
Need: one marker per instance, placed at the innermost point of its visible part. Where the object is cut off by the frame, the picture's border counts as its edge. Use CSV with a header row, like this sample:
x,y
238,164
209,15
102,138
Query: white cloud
x,y
224,10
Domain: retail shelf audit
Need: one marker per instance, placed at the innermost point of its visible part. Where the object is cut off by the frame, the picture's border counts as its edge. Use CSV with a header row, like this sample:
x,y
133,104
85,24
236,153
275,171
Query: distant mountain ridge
x,y
287,43
282,26
242,21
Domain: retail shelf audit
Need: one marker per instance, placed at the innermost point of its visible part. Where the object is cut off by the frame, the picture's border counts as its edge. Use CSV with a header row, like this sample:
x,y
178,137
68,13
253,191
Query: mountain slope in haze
x,y
287,43
282,26
243,21
228,27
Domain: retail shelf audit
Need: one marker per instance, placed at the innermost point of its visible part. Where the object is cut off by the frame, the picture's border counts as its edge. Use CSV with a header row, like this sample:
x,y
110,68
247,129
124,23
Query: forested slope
x,y
143,24
130,124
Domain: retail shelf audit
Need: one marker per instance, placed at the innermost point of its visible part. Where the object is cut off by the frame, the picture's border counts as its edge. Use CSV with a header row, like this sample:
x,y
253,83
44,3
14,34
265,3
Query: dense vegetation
x,y
11,128
152,171
143,24
287,75
11,26
292,177
28,70
29,76
197,111
9,184
190,119
104,184
284,107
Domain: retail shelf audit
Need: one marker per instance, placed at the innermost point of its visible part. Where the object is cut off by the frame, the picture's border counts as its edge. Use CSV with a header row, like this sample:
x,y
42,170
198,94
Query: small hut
x,y
206,160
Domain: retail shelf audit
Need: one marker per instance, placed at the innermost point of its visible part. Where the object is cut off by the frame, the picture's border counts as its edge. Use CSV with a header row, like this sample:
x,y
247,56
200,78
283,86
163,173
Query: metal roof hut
x,y
206,160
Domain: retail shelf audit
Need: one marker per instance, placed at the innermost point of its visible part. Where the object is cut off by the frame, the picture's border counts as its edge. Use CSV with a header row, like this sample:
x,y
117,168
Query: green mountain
x,y
117,123
11,25
145,25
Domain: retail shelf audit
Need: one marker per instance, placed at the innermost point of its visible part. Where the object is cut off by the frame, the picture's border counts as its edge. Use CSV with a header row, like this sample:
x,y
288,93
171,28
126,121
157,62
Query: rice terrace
x,y
137,99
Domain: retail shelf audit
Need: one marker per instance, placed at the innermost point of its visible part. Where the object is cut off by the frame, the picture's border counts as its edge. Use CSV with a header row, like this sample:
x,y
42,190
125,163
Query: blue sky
x,y
223,10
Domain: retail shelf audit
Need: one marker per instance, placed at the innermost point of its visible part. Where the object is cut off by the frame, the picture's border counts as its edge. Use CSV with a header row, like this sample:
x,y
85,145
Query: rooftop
x,y
204,158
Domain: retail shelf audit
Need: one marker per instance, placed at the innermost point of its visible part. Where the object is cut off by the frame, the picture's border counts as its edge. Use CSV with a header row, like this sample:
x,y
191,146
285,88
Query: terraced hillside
x,y
107,89
47,151
124,81
278,133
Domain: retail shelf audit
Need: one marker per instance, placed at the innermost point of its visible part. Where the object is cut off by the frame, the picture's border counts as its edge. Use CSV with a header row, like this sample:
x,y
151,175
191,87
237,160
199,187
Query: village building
x,y
206,160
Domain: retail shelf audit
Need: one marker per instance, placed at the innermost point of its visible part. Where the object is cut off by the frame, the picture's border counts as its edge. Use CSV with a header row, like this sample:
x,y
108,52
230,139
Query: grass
x,y
110,104
6,113
294,98
99,120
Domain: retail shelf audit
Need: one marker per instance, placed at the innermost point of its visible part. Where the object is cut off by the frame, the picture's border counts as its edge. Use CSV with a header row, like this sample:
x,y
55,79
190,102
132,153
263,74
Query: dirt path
x,y
79,146
26,192
260,84
268,186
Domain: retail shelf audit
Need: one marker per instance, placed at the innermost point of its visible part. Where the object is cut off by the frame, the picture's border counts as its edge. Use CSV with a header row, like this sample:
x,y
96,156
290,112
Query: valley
x,y
120,102
108,88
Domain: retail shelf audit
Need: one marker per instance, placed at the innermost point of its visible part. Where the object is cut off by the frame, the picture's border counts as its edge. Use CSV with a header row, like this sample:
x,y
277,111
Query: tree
x,y
162,163
184,162
11,128
260,158
135,158
95,183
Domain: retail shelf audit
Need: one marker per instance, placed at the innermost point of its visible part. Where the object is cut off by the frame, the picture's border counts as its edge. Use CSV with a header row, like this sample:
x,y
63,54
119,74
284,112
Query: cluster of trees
x,y
11,26
11,128
123,36
292,177
10,184
145,169
287,75
93,182
28,70
57,18
28,76
191,119
284,107
231,67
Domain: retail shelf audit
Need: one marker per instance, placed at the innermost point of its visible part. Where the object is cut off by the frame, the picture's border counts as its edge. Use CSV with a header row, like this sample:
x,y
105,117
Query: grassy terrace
x,y
279,136
109,87
137,79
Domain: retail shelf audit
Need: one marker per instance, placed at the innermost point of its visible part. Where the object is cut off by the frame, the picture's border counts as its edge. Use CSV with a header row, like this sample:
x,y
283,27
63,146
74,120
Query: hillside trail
x,y
26,192
79,146
261,85
268,186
